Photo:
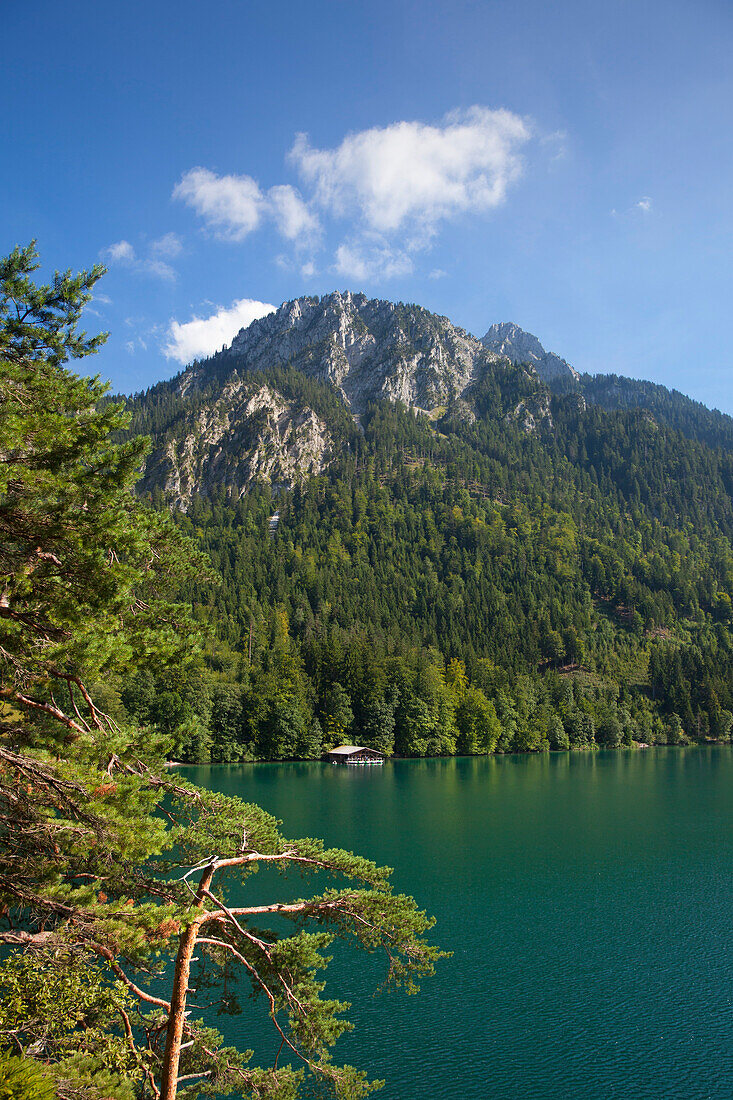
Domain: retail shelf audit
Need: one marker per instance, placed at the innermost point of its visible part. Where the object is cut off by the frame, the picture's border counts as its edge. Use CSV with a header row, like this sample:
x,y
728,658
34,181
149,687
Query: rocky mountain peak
x,y
509,340
368,348
245,416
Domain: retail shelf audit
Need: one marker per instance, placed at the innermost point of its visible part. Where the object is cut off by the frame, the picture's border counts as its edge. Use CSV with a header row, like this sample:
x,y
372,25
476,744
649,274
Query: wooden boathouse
x,y
354,754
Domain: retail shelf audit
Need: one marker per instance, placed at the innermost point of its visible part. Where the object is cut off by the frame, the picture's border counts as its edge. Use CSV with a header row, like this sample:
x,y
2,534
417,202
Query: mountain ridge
x,y
508,339
230,422
369,349
467,558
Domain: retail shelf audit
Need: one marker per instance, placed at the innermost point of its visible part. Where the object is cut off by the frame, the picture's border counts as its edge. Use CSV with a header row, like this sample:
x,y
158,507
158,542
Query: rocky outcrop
x,y
533,414
512,342
248,433
235,427
368,349
242,416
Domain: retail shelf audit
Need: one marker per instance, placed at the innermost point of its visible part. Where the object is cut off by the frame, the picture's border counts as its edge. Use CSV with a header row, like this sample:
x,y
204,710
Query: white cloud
x,y
397,183
104,299
121,253
556,145
376,264
293,218
437,273
204,335
414,172
231,205
642,206
170,246
234,206
133,346
159,268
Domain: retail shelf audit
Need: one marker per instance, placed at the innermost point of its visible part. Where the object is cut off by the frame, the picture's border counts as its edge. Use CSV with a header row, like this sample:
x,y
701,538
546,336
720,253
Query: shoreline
x,y
637,746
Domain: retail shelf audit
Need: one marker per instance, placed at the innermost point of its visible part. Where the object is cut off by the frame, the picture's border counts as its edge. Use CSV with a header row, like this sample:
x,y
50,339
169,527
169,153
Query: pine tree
x,y
110,867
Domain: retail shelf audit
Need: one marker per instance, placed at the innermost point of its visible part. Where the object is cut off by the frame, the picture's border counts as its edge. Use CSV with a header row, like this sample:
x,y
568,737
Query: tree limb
x,y
47,708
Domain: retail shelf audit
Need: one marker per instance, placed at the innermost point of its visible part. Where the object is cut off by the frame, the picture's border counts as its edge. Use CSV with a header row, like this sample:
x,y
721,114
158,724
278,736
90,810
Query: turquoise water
x,y
587,900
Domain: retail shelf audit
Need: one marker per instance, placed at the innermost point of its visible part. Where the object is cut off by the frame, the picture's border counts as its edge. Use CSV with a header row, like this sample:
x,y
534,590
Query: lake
x,y
587,900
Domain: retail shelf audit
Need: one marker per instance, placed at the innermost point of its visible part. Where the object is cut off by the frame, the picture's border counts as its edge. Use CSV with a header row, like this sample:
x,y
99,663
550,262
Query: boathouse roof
x,y
349,750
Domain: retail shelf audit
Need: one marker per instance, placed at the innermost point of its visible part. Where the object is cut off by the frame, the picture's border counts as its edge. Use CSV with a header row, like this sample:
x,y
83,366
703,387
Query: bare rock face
x,y
248,433
533,414
368,349
515,344
235,426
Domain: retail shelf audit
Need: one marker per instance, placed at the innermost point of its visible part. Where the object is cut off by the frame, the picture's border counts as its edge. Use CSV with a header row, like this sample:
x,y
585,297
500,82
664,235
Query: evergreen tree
x,y
109,866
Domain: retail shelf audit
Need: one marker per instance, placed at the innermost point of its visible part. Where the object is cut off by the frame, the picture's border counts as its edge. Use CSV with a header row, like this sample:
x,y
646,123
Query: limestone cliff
x,y
519,346
231,425
249,432
368,349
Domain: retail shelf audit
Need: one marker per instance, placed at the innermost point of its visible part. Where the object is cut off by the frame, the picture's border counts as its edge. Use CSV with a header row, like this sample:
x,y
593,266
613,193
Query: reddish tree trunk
x,y
177,1017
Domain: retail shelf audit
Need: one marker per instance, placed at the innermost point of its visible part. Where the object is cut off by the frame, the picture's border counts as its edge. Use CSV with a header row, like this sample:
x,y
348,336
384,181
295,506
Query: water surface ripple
x,y
587,900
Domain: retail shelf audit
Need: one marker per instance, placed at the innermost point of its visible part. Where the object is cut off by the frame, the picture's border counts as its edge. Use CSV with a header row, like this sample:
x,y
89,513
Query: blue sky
x,y
566,166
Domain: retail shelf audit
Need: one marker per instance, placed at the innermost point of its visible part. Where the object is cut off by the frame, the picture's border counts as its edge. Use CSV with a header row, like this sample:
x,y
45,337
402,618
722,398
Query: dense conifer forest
x,y
460,584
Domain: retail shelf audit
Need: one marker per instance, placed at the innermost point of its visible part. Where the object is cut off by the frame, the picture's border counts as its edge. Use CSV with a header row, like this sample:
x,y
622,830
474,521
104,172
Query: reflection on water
x,y
586,898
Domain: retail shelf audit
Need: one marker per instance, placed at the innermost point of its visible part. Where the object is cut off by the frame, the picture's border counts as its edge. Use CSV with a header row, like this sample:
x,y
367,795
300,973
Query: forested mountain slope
x,y
500,567
612,391
692,418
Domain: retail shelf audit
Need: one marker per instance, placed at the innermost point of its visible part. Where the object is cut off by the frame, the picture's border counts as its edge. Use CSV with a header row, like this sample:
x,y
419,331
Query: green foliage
x,y
689,417
78,552
63,1005
83,1077
110,865
23,1079
576,551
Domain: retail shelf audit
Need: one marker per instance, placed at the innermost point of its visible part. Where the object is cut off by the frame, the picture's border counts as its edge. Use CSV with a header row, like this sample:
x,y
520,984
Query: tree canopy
x,y
113,871
581,573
